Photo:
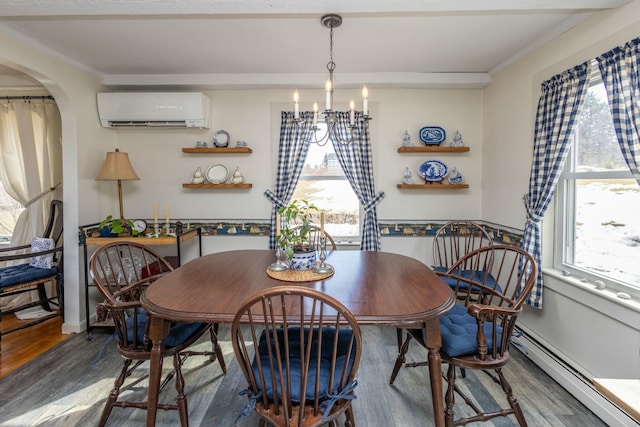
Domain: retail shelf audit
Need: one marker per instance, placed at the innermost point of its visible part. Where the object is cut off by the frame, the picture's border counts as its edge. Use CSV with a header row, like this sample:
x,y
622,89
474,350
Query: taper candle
x,y
296,106
277,224
321,224
155,213
365,101
328,89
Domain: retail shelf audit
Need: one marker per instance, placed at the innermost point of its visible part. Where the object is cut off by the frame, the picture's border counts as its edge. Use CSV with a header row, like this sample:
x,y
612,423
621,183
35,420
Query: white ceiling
x,y
281,43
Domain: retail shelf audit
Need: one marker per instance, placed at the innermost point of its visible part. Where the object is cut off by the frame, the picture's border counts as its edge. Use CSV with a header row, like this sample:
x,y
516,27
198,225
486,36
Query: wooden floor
x,y
67,386
21,346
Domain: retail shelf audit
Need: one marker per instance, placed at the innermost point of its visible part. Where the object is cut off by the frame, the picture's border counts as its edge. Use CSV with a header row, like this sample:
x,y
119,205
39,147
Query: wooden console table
x,y
163,240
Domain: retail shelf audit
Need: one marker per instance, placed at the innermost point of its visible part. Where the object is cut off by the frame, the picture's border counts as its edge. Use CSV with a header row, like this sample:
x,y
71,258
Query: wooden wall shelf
x,y
219,186
216,150
433,186
432,149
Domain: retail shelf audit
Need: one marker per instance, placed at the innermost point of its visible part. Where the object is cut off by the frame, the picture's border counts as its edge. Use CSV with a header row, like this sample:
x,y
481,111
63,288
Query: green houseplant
x,y
114,227
295,233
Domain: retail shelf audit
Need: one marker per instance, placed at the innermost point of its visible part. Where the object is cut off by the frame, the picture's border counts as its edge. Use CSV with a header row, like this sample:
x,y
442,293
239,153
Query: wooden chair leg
x,y
115,392
213,333
182,398
350,420
513,401
401,359
450,396
42,295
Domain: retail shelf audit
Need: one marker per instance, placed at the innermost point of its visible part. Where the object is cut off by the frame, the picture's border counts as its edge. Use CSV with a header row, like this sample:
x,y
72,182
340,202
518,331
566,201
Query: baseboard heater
x,y
571,379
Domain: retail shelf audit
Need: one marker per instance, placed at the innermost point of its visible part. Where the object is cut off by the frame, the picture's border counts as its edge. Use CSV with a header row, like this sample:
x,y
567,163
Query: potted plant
x,y
295,236
110,227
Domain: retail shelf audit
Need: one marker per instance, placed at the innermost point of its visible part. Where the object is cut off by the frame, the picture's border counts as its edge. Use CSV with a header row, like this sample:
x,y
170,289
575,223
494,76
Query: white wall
x,y
254,116
596,333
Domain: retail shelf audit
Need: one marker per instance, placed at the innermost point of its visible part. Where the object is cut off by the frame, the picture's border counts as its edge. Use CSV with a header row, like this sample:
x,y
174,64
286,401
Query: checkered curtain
x,y
355,159
291,156
620,70
561,100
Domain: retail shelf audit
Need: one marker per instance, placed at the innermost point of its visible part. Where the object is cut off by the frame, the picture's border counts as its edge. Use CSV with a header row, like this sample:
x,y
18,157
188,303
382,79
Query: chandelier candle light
x,y
330,117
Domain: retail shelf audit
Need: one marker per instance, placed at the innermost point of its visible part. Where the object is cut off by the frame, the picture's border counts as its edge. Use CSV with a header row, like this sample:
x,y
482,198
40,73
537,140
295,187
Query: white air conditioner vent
x,y
154,109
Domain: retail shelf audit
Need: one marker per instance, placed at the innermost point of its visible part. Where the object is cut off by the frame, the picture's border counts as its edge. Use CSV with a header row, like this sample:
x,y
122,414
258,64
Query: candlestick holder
x,y
323,268
278,265
167,227
156,229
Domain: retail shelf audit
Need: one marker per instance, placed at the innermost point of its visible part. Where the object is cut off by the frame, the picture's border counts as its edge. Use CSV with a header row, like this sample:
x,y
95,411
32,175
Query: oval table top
x,y
377,287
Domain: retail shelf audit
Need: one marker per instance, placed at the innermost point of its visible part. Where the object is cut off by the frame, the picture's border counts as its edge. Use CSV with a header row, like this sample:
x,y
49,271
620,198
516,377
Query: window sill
x,y
605,300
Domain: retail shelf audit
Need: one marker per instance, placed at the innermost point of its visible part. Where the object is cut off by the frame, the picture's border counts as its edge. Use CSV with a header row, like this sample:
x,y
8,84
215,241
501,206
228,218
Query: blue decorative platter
x,y
433,170
432,135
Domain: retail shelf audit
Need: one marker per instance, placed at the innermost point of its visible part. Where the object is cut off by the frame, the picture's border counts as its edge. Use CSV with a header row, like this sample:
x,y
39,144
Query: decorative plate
x,y
221,138
432,135
433,170
217,174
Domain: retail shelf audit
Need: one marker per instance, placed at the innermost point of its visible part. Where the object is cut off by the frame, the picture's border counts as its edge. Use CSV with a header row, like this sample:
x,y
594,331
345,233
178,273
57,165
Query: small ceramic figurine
x,y
241,143
455,177
198,176
406,140
406,176
237,177
457,140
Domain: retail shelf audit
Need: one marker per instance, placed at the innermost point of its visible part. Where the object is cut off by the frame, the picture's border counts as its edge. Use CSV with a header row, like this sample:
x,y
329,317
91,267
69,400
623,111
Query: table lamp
x,y
117,167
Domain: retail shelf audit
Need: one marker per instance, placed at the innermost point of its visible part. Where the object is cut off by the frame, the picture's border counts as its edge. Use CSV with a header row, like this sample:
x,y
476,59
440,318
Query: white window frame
x,y
565,219
340,240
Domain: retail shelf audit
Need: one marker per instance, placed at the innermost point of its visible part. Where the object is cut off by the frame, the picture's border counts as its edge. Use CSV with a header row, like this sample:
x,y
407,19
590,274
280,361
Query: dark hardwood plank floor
x,y
67,386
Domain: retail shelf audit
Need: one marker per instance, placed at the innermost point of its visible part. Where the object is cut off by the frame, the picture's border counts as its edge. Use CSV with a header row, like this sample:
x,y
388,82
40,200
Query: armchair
x,y
28,273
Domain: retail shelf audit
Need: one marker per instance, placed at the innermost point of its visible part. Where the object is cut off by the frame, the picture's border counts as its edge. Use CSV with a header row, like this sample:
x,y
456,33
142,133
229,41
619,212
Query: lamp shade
x,y
117,167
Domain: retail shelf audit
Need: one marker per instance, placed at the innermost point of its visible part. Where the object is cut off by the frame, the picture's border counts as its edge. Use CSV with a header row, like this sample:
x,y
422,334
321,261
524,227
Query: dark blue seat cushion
x,y
459,330
23,273
328,335
472,275
178,333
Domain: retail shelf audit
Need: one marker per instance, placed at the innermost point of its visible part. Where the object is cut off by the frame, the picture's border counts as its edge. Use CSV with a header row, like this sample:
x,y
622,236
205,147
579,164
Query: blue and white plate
x,y
432,135
433,170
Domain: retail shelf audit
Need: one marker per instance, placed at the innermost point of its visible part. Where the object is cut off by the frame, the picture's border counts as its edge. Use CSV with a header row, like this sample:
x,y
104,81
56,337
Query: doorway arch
x,y
69,130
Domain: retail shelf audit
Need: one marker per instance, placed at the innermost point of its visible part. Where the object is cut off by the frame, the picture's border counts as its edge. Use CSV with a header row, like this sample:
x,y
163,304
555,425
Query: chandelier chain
x,y
353,129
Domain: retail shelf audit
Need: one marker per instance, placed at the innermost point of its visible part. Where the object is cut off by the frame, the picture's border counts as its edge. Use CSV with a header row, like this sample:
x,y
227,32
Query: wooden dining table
x,y
377,287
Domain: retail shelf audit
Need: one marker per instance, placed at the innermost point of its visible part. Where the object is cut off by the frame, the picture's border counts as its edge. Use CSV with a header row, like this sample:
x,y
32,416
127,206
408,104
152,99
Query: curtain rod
x,y
27,97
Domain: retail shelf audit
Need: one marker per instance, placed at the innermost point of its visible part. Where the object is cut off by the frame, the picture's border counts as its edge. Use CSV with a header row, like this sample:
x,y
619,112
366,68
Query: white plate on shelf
x,y
217,174
433,170
221,138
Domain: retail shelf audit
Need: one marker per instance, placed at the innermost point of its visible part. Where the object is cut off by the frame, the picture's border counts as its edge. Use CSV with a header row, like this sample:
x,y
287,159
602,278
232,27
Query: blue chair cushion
x,y
328,335
178,334
23,273
459,330
472,275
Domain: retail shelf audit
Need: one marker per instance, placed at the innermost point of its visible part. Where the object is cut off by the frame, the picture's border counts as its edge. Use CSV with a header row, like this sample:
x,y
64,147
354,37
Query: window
x,y
598,203
9,212
324,184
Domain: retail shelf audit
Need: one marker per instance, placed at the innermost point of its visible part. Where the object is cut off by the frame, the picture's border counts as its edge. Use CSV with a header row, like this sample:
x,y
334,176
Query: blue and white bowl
x,y
303,260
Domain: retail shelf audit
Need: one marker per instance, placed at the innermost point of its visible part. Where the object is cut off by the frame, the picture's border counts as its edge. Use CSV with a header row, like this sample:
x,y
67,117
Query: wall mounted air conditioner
x,y
154,109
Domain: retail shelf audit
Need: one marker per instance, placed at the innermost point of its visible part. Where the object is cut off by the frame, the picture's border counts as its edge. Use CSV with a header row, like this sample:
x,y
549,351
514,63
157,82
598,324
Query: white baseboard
x,y
572,381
